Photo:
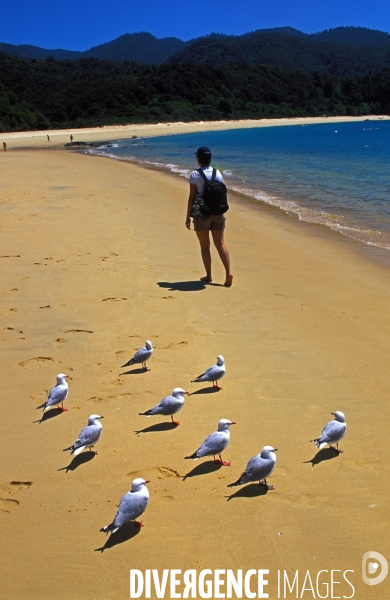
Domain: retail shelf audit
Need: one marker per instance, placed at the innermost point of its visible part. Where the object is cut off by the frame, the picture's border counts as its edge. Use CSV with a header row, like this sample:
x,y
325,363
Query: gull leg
x,y
264,482
175,422
222,462
62,409
138,523
215,384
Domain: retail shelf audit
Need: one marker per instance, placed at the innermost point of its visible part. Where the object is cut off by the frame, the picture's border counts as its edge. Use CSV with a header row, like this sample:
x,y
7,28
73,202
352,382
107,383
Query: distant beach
x,y
96,260
93,134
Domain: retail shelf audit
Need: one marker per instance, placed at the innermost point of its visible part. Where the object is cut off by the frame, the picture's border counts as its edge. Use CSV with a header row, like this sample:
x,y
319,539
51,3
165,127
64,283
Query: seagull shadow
x,y
250,491
124,533
205,390
203,469
183,286
135,371
323,454
166,426
54,412
77,461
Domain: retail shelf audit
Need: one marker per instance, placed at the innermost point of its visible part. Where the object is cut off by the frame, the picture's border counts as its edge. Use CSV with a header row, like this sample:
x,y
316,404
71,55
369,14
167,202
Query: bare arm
x,y
192,194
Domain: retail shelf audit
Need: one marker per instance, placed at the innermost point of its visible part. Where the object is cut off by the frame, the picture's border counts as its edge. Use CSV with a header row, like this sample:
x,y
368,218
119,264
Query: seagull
x,y
259,468
57,394
333,432
131,506
141,356
169,405
213,373
215,443
88,437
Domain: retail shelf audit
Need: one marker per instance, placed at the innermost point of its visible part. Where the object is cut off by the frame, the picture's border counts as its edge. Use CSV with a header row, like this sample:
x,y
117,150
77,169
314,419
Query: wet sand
x,y
95,260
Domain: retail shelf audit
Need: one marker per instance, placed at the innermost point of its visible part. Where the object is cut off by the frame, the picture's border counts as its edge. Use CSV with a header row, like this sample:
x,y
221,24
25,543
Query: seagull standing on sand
x,y
131,506
57,394
169,405
333,432
215,443
213,373
141,356
259,468
88,437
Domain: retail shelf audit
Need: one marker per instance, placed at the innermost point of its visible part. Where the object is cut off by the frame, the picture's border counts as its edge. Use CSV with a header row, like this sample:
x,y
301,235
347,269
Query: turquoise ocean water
x,y
337,175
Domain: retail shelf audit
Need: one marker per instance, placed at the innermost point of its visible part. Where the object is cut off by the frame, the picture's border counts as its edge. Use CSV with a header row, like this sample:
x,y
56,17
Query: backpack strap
x,y
213,175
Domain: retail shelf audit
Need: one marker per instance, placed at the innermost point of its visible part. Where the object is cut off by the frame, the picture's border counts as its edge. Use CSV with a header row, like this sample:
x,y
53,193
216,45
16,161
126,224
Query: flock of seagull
x,y
135,501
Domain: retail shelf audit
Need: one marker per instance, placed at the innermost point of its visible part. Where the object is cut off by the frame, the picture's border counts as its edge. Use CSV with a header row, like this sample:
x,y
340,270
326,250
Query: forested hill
x,y
292,51
139,47
343,51
90,92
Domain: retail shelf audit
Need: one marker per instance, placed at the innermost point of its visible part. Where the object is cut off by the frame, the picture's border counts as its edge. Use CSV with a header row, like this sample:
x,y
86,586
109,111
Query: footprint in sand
x,y
10,256
8,504
159,472
47,306
8,329
114,383
15,486
37,358
60,342
78,331
99,399
168,297
11,310
173,344
113,299
60,260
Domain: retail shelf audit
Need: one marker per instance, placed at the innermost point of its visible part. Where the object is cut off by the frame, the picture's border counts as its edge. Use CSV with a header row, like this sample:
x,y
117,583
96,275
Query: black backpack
x,y
214,195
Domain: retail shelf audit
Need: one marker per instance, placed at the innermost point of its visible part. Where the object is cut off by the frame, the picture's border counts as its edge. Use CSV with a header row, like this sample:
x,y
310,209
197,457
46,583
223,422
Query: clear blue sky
x,y
81,24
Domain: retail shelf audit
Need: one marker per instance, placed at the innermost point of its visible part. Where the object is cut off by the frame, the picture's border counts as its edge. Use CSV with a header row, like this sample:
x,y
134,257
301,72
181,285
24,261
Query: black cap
x,y
203,152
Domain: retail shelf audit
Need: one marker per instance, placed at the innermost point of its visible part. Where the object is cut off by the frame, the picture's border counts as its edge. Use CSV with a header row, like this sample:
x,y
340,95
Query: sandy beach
x,y
95,260
59,137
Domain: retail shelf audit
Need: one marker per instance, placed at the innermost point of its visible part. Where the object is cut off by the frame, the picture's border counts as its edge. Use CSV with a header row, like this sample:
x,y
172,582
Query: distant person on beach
x,y
48,138
213,223
5,146
71,138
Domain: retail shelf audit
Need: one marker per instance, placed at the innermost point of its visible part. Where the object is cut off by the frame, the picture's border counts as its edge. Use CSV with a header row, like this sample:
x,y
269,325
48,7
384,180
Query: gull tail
x,y
109,528
147,413
238,482
42,405
129,363
197,379
194,456
67,449
317,443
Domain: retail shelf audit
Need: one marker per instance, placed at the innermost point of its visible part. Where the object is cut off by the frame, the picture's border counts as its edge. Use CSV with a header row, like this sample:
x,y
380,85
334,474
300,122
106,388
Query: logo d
x,y
374,559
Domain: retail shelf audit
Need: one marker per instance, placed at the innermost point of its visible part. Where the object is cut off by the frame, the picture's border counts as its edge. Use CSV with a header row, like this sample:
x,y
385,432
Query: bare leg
x,y
223,252
204,241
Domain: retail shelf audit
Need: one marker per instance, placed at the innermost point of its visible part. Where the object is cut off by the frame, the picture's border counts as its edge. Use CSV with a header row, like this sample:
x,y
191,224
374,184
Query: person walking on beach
x,y
71,137
5,146
213,223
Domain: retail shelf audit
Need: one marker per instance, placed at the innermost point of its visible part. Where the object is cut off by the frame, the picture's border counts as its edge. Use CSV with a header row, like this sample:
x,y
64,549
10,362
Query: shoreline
x,y
93,267
107,133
